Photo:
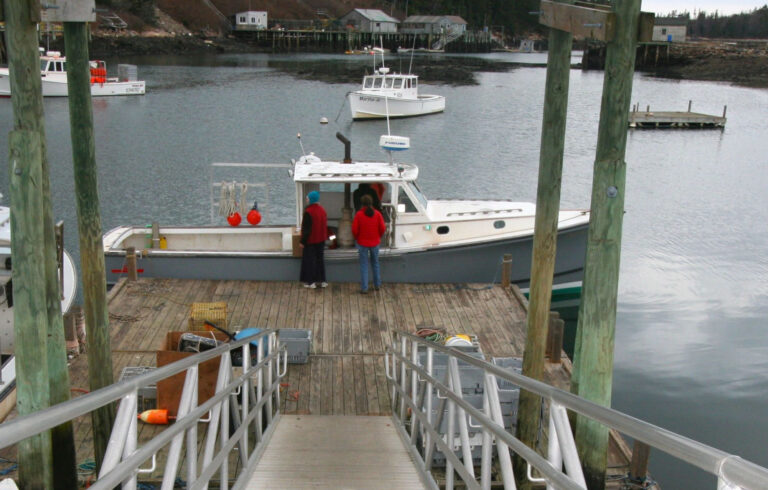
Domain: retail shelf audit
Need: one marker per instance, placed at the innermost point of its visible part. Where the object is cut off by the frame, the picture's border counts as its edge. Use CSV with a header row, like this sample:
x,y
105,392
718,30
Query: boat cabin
x,y
398,85
53,62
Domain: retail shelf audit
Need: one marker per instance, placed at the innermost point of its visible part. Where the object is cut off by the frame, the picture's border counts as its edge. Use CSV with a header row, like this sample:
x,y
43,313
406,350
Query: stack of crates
x,y
472,389
509,394
147,395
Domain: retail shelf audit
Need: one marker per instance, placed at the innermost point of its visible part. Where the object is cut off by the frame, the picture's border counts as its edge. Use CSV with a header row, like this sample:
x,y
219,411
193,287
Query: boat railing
x,y
242,413
410,371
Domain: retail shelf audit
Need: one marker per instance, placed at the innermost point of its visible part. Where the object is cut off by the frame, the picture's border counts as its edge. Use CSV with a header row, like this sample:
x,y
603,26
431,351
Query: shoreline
x,y
739,63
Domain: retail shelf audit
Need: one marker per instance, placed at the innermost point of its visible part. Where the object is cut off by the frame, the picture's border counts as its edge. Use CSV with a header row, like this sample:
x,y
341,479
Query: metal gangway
x,y
244,423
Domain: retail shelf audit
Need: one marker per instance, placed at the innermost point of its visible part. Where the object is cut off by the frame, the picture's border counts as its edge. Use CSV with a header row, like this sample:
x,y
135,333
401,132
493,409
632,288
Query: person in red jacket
x,y
368,227
314,233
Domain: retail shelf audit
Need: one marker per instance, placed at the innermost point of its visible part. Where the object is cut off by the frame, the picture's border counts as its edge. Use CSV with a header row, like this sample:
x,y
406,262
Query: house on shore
x,y
369,20
251,20
434,24
670,29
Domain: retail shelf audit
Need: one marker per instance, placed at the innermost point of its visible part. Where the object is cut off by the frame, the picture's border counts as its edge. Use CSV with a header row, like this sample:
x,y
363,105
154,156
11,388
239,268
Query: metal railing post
x,y
172,464
466,450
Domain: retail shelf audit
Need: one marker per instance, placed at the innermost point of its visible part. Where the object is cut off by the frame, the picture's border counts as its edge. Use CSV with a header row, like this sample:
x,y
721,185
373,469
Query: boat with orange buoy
x,y
53,72
427,240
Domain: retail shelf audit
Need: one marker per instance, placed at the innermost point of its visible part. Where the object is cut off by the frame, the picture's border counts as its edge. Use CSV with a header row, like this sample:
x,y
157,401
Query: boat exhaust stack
x,y
347,147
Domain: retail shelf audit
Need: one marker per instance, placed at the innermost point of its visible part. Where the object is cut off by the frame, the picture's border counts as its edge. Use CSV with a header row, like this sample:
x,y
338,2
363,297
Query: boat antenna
x,y
413,48
381,41
303,153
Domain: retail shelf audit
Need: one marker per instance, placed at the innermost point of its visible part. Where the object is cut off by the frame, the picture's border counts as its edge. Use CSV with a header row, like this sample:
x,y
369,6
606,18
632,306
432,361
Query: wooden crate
x,y
169,389
215,313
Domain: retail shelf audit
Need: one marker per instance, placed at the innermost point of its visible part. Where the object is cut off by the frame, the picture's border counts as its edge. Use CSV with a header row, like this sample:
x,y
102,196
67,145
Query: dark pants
x,y
313,263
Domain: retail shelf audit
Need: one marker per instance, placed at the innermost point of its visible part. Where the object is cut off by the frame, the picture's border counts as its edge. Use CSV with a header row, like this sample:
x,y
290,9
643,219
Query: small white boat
x,y
427,240
53,71
68,278
395,93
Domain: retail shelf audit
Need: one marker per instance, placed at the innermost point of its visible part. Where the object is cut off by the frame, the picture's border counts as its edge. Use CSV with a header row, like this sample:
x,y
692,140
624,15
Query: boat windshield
x,y
398,83
368,82
377,82
418,194
388,82
53,65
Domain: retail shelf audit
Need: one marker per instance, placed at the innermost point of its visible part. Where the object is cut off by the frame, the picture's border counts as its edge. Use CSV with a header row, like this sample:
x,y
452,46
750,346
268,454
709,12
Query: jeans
x,y
363,254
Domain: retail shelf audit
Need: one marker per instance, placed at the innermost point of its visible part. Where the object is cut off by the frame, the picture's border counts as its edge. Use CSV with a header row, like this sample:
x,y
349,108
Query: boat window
x,y
331,187
408,83
388,83
417,192
415,82
368,82
499,224
377,82
43,65
402,198
398,83
443,230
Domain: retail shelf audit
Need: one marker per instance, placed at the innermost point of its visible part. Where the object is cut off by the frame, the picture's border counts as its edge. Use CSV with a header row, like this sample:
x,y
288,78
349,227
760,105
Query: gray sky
x,y
725,7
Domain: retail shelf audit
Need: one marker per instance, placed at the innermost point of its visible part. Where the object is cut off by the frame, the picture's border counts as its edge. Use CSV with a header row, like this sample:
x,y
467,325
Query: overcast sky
x,y
725,7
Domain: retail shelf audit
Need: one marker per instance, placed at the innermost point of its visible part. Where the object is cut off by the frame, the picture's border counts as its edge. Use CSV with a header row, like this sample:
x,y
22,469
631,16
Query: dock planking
x,y
345,372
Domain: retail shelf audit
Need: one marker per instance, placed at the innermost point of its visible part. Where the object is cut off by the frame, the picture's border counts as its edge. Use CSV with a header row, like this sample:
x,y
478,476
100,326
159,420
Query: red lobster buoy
x,y
254,216
234,219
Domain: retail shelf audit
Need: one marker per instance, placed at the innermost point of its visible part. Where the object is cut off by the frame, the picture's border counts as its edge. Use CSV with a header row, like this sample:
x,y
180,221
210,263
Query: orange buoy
x,y
234,219
158,416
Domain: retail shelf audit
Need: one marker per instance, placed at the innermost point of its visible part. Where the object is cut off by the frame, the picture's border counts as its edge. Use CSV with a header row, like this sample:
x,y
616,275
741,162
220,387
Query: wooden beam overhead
x,y
582,22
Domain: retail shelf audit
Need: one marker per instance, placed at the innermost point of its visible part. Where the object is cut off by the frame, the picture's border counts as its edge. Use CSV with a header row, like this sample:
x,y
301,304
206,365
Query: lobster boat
x,y
427,240
53,72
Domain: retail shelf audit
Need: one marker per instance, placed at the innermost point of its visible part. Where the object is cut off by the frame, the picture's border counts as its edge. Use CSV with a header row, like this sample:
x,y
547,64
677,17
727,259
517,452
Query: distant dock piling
x,y
674,120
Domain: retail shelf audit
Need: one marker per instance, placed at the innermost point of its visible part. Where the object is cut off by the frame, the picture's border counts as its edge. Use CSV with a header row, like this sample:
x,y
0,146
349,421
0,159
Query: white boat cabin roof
x,y
311,169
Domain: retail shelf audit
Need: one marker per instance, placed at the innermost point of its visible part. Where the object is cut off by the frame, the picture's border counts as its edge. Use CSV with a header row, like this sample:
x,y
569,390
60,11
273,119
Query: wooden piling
x,y
545,235
53,465
593,363
89,226
506,270
130,263
29,311
638,467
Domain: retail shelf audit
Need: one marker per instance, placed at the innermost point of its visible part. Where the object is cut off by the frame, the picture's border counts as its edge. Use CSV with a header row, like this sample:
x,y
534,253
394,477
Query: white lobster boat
x,y
53,72
393,93
443,240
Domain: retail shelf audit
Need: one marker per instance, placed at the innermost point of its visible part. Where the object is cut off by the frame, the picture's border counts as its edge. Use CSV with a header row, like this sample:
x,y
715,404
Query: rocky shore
x,y
739,62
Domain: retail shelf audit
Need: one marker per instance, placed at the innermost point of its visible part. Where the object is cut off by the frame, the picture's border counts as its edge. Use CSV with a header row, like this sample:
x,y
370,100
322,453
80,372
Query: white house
x,y
369,20
252,20
433,24
670,29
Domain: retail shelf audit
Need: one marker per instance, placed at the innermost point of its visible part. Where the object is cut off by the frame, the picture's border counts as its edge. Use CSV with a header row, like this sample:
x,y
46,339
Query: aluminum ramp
x,y
327,451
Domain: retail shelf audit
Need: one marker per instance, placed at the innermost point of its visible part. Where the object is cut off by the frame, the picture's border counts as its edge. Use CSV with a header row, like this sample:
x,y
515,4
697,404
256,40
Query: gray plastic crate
x,y
147,395
298,343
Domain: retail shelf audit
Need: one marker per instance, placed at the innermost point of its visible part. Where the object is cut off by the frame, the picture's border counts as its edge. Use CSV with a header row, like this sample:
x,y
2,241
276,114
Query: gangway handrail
x,y
122,459
727,467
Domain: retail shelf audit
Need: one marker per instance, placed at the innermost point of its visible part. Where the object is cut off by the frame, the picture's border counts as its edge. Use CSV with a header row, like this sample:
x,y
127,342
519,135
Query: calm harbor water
x,y
691,350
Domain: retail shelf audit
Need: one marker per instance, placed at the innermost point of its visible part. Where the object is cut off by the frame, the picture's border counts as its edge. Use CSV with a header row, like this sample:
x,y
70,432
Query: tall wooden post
x,y
28,149
545,237
89,226
593,361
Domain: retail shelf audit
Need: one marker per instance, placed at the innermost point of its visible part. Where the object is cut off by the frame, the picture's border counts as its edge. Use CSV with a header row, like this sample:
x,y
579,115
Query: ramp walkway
x,y
330,451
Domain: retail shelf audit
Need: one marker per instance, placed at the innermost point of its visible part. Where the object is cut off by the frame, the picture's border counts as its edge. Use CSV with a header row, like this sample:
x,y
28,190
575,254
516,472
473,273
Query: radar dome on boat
x,y
383,70
394,143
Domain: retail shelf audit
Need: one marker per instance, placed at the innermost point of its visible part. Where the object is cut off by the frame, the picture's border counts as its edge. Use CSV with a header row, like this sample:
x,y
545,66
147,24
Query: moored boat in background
x,y
53,71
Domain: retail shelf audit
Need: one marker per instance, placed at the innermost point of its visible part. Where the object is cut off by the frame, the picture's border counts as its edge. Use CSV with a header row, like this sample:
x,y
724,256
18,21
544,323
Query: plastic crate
x,y
215,313
147,395
514,364
298,343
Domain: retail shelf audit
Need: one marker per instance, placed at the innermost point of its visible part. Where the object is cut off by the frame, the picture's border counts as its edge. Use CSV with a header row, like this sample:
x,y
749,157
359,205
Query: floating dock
x,y
674,120
345,371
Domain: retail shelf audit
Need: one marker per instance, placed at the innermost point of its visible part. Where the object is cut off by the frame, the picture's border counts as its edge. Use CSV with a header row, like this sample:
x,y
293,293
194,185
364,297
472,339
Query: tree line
x,y
746,25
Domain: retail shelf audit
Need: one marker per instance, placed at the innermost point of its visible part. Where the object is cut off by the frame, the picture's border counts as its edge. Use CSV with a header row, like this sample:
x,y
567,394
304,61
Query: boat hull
x,y
475,263
368,106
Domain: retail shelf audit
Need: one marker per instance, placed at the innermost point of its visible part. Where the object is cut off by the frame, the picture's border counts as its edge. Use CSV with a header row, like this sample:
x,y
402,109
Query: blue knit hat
x,y
313,197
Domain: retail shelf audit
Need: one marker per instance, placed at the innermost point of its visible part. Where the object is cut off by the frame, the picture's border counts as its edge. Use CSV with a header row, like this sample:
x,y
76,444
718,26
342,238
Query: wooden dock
x,y
345,372
674,120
